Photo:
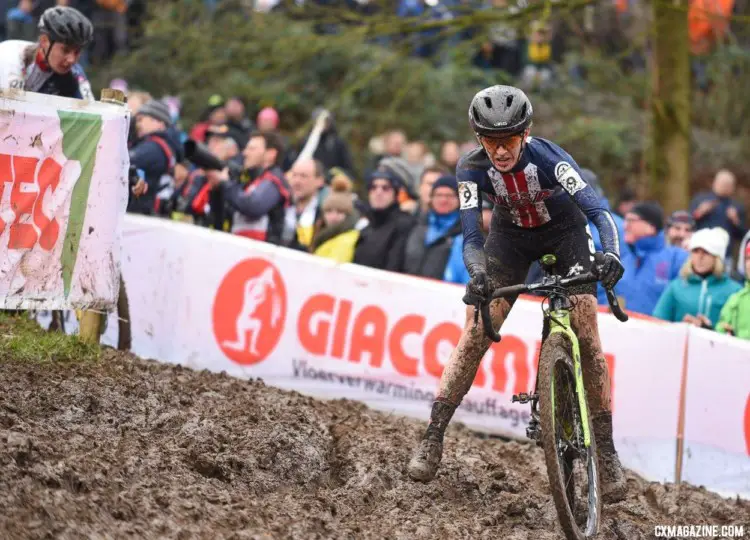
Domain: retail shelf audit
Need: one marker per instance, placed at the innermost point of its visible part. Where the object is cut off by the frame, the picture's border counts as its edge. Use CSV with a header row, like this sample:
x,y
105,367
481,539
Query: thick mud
x,y
127,448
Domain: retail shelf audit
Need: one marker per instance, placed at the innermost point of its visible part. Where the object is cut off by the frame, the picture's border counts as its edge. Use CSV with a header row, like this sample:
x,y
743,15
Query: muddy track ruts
x,y
128,448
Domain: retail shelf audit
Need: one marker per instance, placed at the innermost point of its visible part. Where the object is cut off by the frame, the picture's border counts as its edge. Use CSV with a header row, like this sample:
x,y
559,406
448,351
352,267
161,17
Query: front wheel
x,y
572,467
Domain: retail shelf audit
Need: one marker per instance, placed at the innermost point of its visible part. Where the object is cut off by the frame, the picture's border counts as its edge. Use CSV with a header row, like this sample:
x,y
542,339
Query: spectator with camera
x,y
260,195
198,198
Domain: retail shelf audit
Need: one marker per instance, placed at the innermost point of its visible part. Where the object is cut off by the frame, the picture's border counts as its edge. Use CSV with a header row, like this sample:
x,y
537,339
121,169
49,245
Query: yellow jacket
x,y
340,248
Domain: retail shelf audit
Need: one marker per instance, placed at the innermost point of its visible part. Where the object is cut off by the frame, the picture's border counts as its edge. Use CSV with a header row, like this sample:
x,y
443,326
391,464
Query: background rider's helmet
x,y
66,25
499,111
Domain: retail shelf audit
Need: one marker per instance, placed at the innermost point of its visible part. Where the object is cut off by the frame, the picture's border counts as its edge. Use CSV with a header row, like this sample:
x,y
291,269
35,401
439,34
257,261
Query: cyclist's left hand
x,y
610,271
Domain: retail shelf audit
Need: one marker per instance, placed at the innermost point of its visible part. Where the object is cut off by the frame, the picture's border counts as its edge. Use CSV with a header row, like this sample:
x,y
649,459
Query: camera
x,y
198,154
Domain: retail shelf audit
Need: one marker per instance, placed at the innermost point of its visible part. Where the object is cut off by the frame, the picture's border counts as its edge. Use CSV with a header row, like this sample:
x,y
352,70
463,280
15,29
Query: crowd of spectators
x,y
687,266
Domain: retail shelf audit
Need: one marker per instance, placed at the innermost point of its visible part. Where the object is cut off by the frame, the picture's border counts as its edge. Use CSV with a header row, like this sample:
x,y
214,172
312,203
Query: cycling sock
x,y
442,412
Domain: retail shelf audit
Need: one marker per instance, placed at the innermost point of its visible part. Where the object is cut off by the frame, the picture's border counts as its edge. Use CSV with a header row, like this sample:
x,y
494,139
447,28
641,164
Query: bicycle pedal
x,y
524,397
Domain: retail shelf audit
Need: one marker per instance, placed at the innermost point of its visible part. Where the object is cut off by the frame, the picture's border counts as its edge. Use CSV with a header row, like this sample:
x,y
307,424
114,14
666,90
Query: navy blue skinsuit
x,y
541,206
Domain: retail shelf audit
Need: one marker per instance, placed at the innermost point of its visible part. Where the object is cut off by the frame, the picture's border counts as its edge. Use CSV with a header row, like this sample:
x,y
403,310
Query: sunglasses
x,y
508,143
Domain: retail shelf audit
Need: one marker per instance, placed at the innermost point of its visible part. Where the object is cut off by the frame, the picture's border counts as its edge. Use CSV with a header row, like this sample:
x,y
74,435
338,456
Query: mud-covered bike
x,y
560,421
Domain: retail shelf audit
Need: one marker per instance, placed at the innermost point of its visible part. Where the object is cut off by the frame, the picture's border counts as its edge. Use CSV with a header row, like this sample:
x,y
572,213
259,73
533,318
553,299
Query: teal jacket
x,y
694,295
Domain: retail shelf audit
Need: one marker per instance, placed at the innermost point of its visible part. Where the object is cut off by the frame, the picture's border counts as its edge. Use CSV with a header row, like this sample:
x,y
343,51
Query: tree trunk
x,y
670,105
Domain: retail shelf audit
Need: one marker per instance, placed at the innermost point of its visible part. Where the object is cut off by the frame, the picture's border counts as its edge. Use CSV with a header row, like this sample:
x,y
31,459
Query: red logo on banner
x,y
249,311
24,184
747,425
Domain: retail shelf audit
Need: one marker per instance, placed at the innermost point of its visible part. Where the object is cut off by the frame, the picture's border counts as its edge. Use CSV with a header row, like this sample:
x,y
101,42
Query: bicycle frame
x,y
558,317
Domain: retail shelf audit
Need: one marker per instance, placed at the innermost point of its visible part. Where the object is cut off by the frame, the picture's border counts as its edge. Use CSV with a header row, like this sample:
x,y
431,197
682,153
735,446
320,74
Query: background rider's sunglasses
x,y
509,143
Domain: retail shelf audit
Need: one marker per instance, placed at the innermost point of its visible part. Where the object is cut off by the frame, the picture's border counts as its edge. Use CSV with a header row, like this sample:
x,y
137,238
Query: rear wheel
x,y
572,468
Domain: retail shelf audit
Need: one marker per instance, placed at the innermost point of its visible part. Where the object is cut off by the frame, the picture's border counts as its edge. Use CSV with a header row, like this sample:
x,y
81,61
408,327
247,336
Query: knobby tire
x,y
556,352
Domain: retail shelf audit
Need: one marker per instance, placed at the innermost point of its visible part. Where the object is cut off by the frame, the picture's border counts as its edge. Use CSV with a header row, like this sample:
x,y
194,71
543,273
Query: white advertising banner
x,y
63,193
717,414
214,301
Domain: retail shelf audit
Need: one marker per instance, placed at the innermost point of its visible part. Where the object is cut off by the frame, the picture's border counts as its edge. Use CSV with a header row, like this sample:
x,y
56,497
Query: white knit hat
x,y
715,241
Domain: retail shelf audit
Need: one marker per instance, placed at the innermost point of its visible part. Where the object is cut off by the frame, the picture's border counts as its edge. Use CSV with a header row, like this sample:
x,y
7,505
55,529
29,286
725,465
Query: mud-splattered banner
x,y
63,194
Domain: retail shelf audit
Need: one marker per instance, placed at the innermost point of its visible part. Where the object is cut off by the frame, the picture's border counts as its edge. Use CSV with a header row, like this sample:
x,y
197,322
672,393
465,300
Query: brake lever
x,y
489,331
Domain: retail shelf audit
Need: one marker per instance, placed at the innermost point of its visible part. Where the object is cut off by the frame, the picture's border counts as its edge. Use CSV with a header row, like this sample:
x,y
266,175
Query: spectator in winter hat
x,y
680,227
155,151
268,119
426,181
381,243
650,264
699,294
338,235
435,245
735,316
400,168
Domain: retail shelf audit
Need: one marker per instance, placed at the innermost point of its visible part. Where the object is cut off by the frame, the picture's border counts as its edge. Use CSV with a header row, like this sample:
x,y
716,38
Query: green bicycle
x,y
560,421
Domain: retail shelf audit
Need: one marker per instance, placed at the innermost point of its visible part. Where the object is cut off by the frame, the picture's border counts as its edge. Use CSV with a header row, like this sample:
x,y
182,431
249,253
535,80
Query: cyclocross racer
x,y
541,206
50,66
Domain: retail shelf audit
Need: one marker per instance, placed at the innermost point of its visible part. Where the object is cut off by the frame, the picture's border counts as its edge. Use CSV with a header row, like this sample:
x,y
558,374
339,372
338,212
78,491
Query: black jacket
x,y
382,243
155,154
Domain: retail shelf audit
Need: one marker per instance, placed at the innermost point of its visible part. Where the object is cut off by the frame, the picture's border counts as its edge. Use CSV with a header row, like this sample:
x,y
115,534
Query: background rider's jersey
x,y
545,186
21,67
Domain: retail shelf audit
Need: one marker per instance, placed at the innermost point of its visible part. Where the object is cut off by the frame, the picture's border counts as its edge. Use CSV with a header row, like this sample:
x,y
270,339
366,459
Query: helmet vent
x,y
476,112
488,102
509,100
523,111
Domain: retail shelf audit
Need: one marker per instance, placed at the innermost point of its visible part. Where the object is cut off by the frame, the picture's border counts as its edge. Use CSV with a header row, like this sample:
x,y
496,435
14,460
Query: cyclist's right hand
x,y
478,289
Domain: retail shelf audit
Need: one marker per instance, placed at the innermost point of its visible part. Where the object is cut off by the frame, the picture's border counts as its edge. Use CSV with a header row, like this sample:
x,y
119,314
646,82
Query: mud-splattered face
x,y
504,152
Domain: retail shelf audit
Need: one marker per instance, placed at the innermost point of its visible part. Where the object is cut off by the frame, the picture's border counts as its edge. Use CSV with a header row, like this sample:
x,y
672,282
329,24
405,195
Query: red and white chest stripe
x,y
519,191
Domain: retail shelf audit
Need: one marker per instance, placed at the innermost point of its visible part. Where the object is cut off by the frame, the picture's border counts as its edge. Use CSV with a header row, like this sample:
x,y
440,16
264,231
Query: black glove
x,y
610,270
478,289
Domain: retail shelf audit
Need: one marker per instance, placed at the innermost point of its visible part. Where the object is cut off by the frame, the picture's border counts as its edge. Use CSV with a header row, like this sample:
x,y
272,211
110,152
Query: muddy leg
x,y
594,365
596,380
455,382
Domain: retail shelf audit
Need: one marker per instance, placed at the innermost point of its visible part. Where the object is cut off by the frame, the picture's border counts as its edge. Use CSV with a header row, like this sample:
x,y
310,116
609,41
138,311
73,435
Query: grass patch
x,y
23,340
